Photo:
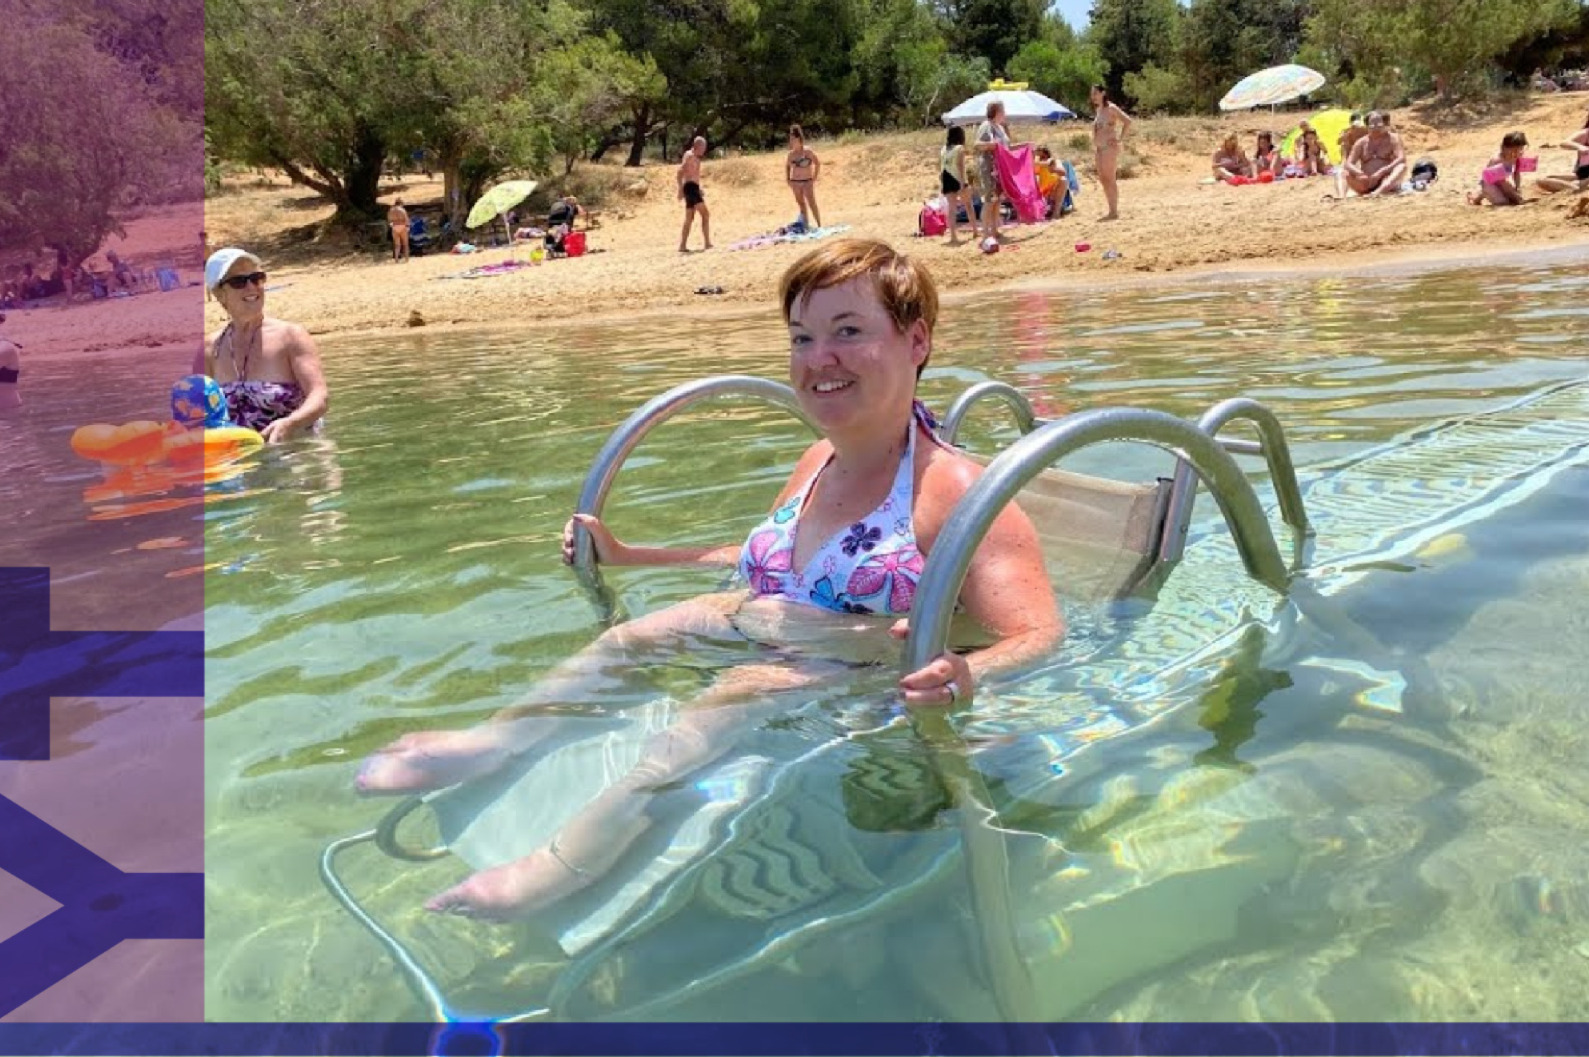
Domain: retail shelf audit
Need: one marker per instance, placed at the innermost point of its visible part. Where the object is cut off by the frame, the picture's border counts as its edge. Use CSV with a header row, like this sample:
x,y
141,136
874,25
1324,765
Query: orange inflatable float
x,y
149,443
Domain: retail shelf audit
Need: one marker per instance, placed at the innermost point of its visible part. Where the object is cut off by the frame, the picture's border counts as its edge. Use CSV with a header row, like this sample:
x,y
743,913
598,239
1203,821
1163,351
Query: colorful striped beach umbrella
x,y
1271,87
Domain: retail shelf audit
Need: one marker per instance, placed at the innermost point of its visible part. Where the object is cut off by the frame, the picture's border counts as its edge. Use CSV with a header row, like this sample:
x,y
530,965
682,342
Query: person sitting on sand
x,y
801,168
1354,131
10,371
564,213
689,181
120,271
1501,183
1309,157
1231,162
1051,182
1267,158
860,319
1378,162
1578,178
269,369
954,183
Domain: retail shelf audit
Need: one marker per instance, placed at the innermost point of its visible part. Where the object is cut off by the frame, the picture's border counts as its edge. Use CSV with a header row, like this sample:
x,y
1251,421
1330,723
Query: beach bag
x,y
1425,171
932,220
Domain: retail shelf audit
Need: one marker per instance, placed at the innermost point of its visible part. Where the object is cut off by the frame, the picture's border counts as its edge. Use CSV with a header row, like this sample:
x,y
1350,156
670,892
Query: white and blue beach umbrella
x,y
1019,105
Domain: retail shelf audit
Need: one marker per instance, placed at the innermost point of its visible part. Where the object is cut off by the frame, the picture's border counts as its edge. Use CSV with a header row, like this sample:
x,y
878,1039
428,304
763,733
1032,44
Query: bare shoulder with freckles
x,y
943,477
1007,588
812,461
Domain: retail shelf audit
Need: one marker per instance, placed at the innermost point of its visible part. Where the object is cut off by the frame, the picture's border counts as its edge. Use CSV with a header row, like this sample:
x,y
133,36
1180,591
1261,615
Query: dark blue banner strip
x,y
775,1040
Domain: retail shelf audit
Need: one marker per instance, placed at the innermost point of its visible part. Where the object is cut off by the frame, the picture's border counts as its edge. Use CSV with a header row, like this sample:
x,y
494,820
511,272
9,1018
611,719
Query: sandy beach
x,y
1172,225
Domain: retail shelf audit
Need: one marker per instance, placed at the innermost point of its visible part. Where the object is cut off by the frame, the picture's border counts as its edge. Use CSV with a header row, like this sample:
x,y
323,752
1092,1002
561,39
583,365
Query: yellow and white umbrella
x,y
497,201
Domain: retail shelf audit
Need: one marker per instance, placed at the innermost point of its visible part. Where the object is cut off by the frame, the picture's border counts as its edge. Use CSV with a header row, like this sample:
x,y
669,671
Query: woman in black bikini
x,y
1578,178
802,167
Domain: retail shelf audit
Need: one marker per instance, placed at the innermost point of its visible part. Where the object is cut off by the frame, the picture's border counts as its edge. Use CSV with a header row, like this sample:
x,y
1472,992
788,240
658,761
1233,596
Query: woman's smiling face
x,y
848,362
248,302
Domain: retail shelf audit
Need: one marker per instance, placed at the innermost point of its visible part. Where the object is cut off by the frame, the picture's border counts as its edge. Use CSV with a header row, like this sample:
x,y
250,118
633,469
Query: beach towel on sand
x,y
1019,182
773,238
485,271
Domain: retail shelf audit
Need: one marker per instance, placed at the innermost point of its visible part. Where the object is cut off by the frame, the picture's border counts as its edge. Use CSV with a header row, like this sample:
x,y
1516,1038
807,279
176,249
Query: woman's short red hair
x,y
904,287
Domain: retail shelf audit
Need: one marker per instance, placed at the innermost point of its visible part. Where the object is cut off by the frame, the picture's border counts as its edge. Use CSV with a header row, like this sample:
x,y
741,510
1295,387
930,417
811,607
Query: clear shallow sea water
x,y
1280,830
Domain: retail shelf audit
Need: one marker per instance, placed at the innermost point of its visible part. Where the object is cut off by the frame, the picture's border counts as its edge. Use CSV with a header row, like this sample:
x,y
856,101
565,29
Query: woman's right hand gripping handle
x,y
608,550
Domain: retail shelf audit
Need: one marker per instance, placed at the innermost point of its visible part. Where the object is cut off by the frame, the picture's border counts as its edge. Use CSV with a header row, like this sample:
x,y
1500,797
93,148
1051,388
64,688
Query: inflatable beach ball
x,y
198,401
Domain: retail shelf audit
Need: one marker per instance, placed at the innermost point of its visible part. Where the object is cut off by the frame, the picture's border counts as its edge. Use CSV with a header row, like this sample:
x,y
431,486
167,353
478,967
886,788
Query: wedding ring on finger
x,y
954,690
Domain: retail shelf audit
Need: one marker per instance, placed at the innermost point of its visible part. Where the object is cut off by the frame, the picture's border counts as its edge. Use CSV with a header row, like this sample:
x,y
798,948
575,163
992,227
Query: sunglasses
x,y
238,282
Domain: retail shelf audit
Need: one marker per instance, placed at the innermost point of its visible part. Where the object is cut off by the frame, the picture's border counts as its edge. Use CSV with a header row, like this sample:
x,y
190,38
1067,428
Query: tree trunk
x,y
452,204
363,180
642,125
330,188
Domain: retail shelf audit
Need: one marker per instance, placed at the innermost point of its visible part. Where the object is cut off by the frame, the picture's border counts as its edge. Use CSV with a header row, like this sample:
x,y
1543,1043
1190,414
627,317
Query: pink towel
x,y
1020,182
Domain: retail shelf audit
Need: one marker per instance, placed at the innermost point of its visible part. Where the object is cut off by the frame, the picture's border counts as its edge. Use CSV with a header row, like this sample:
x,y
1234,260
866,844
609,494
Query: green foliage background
x,y
333,91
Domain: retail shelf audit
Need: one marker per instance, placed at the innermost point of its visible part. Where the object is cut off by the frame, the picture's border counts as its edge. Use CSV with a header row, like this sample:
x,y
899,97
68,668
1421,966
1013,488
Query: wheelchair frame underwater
x,y
1201,454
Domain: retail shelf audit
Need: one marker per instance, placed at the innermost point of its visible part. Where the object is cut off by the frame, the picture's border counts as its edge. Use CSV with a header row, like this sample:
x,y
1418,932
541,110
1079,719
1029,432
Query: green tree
x,y
345,83
588,86
309,103
99,139
1130,34
994,29
1223,41
1457,41
1159,90
1065,74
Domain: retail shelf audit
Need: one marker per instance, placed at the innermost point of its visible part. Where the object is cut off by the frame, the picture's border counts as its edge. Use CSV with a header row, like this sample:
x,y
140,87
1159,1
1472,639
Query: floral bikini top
x,y
871,567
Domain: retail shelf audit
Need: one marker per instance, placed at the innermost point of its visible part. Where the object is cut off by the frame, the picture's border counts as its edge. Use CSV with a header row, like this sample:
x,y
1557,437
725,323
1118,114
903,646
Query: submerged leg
x,y
599,833
432,759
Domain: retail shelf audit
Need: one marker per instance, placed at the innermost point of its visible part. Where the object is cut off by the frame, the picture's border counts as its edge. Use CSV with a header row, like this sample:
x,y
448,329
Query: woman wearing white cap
x,y
269,369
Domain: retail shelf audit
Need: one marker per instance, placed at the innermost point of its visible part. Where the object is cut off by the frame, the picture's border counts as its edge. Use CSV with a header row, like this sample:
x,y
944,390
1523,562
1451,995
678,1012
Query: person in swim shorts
x,y
269,369
845,541
1378,162
689,178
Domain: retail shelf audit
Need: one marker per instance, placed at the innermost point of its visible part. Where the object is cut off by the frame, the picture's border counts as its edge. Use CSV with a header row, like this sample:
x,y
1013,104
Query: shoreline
x,y
58,332
1422,259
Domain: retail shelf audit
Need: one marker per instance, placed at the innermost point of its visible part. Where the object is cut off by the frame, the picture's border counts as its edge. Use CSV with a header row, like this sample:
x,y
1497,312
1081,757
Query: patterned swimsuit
x,y
255,404
258,404
871,567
